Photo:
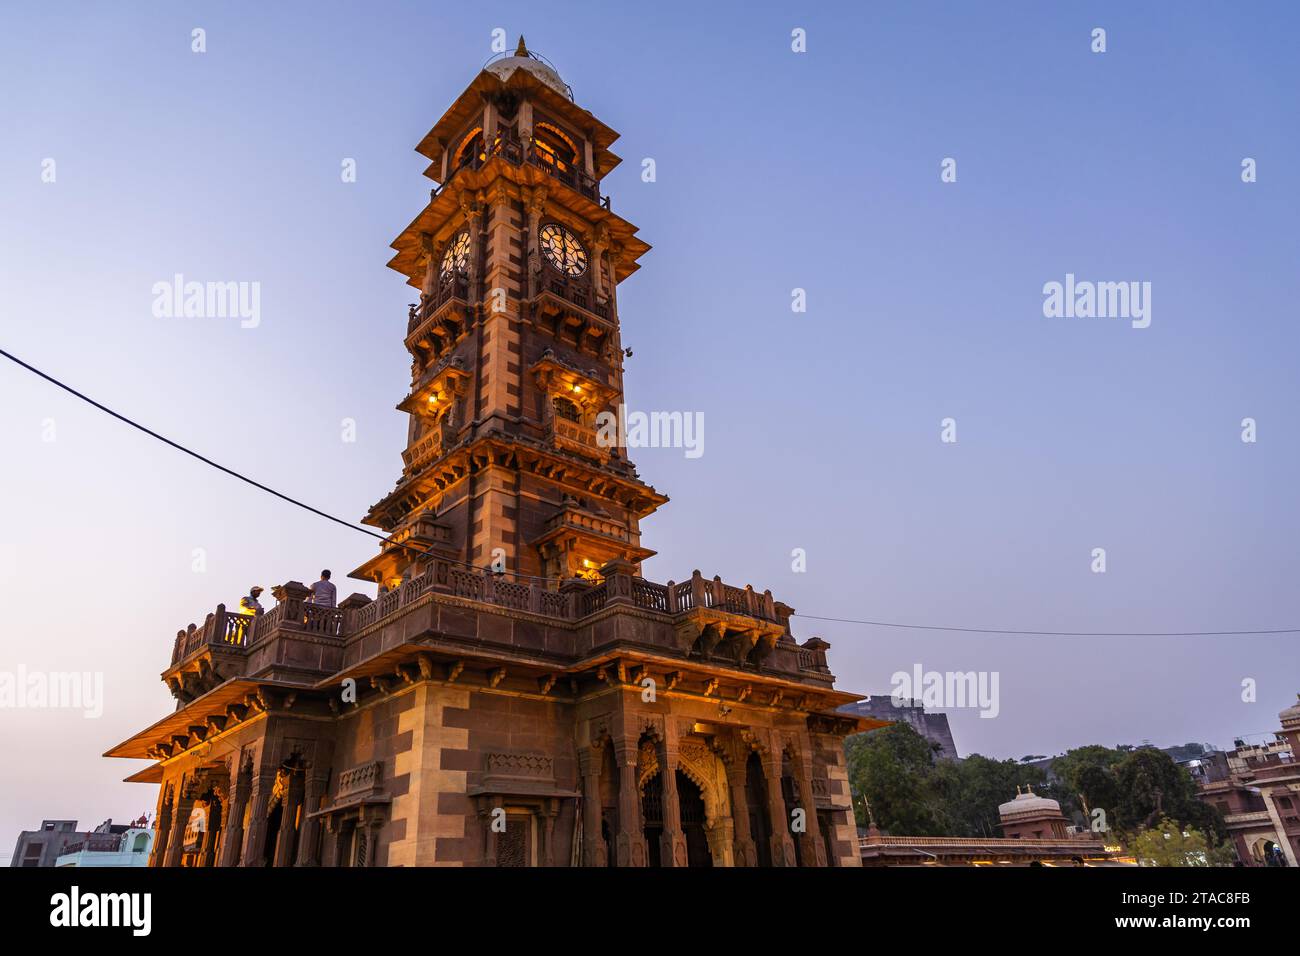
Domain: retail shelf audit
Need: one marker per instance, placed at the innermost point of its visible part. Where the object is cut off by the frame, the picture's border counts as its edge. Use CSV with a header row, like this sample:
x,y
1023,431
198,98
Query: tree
x,y
892,767
1152,787
912,793
1136,787
1169,843
972,790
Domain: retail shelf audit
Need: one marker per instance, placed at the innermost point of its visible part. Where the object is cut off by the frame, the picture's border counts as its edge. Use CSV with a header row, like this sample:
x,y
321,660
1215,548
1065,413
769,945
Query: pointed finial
x,y
521,50
1017,790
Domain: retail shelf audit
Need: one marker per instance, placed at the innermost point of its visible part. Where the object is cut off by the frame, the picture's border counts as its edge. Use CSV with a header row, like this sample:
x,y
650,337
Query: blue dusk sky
x,y
775,171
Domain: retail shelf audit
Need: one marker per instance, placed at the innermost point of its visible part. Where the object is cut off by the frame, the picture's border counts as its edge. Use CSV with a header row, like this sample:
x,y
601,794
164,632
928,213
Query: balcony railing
x,y
423,451
977,843
221,628
454,289
226,629
570,601
576,292
579,437
1248,816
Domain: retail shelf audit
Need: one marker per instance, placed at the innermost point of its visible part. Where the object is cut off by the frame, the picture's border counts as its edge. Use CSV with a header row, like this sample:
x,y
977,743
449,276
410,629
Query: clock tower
x,y
566,711
515,343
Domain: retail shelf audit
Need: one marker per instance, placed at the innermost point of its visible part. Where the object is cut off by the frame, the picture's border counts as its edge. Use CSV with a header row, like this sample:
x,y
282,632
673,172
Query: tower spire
x,y
521,50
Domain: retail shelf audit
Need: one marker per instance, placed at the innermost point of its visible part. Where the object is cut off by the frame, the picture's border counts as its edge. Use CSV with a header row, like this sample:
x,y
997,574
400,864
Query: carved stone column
x,y
672,842
485,808
631,831
473,216
742,843
721,837
255,832
593,844
549,812
208,849
309,837
782,845
162,828
233,826
330,839
289,821
536,206
599,243
180,819
812,848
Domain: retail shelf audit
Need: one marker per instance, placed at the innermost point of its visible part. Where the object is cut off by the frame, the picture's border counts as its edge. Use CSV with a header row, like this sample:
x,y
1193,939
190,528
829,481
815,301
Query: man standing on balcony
x,y
322,592
249,604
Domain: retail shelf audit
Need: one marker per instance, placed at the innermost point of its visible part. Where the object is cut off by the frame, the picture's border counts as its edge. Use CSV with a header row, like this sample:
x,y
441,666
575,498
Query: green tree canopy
x,y
1170,843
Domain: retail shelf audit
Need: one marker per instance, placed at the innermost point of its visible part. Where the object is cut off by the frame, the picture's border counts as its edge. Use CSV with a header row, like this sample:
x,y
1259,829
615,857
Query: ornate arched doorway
x,y
691,812
691,804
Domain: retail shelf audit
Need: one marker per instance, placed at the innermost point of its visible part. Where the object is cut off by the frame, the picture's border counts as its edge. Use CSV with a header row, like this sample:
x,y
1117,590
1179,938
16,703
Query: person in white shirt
x,y
322,592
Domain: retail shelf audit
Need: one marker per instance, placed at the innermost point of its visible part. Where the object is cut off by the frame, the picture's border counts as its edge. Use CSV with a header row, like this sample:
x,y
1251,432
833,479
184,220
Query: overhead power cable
x,y
382,537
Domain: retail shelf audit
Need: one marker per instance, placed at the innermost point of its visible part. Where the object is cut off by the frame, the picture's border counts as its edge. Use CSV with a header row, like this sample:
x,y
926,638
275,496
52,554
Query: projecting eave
x,y
178,722
441,217
468,108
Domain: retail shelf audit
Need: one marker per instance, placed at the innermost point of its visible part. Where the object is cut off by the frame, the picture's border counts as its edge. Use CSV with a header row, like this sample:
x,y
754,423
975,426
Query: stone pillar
x,y
472,219
672,842
782,845
162,828
721,837
485,809
599,243
631,831
255,832
333,841
289,821
593,844
309,837
233,826
811,846
176,839
208,849
549,812
742,843
536,207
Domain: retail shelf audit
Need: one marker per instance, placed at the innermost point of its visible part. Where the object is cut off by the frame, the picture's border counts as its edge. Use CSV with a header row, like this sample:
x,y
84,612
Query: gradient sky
x,y
775,171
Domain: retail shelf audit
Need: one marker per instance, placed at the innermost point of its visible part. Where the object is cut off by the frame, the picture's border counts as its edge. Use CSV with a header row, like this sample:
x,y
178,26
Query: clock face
x,y
456,258
563,250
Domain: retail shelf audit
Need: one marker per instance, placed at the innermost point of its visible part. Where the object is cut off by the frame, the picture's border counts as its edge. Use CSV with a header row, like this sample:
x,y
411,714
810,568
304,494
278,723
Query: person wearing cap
x,y
249,604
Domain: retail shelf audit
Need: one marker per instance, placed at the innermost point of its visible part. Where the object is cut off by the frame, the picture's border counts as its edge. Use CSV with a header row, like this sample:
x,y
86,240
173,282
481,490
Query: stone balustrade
x,y
1082,842
571,601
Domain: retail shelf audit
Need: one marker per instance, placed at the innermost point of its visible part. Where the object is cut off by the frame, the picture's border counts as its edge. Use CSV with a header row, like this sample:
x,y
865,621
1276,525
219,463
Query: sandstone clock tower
x,y
516,694
514,342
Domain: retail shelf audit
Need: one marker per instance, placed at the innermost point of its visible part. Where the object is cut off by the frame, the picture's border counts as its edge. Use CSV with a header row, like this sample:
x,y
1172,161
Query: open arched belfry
x,y
517,695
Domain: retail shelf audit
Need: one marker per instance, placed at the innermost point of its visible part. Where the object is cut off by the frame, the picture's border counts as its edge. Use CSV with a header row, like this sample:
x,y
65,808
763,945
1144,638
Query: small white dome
x,y
1028,802
1292,712
503,69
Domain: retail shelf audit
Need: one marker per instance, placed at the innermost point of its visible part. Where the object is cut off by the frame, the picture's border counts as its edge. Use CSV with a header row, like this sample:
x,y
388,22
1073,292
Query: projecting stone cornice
x,y
444,215
569,470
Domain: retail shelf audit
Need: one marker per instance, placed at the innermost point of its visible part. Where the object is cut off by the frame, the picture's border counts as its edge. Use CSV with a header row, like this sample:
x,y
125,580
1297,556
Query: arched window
x,y
553,147
566,409
470,147
141,843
